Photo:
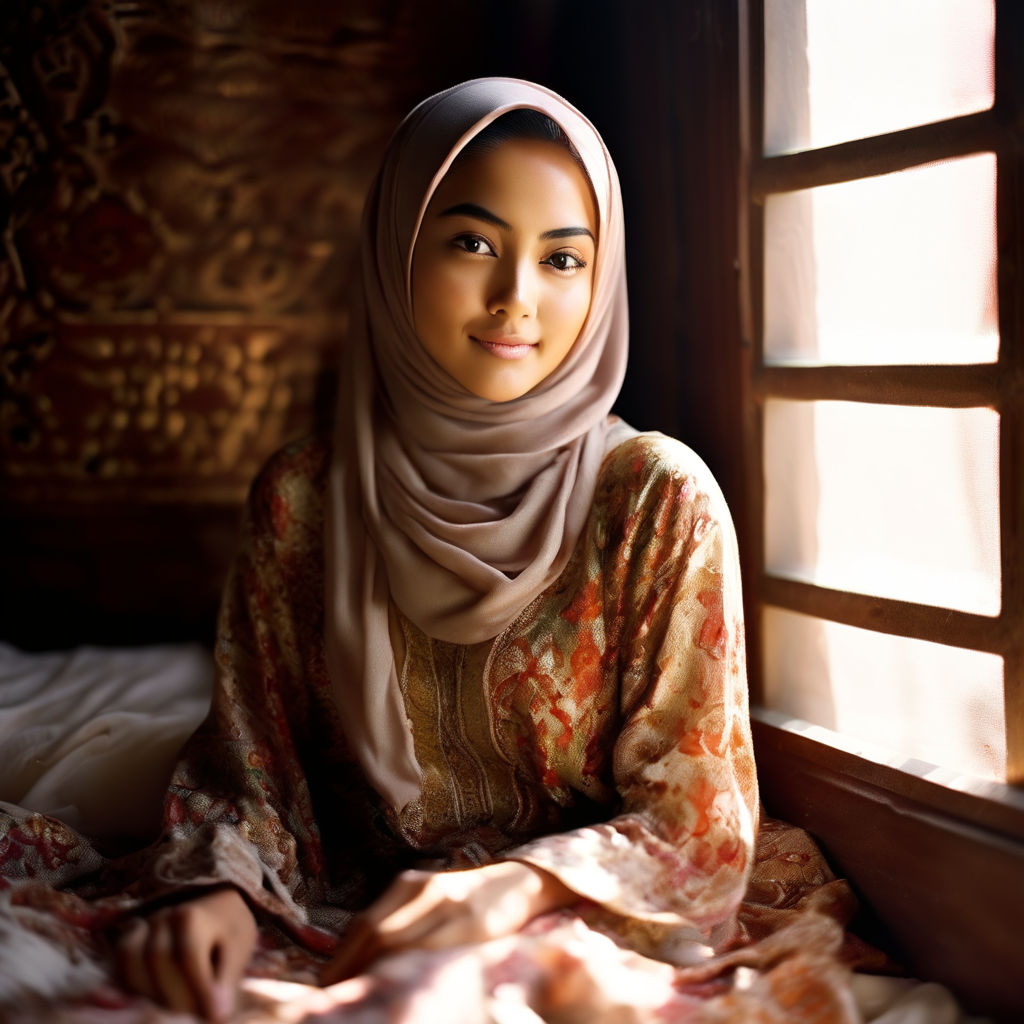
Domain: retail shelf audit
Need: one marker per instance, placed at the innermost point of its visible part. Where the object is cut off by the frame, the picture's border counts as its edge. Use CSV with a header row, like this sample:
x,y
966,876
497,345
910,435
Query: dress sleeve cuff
x,y
631,873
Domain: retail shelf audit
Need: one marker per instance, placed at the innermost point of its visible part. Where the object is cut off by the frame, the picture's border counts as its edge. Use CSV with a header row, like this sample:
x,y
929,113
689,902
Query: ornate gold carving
x,y
184,183
160,408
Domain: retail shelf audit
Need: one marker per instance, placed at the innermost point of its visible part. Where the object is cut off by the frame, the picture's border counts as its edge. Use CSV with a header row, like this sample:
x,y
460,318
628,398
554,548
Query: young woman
x,y
480,657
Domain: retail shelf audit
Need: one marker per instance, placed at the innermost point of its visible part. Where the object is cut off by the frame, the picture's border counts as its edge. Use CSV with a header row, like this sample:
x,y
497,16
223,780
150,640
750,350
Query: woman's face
x,y
503,267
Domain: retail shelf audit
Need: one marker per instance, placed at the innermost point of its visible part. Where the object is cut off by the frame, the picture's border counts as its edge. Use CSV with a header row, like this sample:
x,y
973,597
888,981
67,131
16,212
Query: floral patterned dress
x,y
603,736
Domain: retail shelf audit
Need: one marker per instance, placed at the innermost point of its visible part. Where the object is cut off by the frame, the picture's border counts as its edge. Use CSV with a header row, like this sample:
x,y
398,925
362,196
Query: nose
x,y
513,291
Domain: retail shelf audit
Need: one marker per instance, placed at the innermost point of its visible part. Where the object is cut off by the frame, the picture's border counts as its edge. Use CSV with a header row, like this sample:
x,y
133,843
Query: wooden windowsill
x,y
981,802
936,858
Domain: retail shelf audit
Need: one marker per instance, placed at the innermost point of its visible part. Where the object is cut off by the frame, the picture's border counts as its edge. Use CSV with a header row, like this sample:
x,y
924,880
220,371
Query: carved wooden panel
x,y
180,188
183,183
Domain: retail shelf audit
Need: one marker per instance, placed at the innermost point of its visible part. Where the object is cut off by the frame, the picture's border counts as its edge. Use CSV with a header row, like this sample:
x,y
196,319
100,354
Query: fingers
x,y
130,957
232,952
373,932
420,910
148,962
358,952
365,943
164,959
194,962
190,957
430,910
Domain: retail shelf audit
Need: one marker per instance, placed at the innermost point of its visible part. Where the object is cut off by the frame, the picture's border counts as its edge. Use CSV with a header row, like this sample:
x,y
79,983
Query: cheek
x,y
570,306
440,297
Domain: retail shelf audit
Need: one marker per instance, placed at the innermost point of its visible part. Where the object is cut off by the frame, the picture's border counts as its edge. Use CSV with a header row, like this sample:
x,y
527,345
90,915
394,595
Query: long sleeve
x,y
241,805
618,701
662,614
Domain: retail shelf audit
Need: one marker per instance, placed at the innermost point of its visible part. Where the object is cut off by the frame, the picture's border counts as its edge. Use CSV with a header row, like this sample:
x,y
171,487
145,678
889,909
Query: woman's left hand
x,y
437,910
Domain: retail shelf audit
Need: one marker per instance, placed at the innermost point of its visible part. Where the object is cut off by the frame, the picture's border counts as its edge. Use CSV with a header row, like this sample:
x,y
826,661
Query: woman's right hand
x,y
190,956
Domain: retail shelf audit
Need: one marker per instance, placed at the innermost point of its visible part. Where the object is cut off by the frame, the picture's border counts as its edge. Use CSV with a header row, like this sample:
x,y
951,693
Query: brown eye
x,y
473,244
565,261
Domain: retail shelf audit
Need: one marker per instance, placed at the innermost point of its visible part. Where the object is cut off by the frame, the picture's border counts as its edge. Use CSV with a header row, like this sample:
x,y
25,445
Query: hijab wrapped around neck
x,y
459,510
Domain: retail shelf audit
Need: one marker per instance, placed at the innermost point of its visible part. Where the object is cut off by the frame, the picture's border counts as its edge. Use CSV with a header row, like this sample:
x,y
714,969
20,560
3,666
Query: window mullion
x,y
881,154
887,615
953,386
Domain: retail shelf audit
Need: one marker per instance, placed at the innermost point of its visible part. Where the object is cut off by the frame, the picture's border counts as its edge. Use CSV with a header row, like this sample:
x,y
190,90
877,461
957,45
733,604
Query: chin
x,y
499,395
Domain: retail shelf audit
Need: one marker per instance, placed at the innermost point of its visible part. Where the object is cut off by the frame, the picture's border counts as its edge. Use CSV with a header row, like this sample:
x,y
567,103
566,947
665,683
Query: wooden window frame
x,y
938,859
998,386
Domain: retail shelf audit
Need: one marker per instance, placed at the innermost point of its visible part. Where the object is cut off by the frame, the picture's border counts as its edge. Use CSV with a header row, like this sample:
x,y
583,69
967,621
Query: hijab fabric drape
x,y
458,509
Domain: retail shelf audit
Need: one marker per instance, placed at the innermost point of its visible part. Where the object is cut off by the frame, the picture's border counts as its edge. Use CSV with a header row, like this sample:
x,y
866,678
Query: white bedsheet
x,y
90,735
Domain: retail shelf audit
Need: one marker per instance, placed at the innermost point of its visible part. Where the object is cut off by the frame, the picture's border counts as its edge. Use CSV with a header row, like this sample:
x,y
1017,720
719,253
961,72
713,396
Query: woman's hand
x,y
437,910
190,957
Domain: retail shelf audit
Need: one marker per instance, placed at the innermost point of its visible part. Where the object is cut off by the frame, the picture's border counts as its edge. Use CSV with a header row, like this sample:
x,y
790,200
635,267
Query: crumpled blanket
x,y
792,961
89,737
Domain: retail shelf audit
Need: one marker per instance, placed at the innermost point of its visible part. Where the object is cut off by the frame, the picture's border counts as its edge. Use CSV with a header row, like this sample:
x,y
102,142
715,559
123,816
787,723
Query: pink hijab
x,y
460,510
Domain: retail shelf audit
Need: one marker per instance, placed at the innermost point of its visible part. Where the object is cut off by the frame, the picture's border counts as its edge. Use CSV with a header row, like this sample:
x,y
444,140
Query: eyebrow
x,y
482,213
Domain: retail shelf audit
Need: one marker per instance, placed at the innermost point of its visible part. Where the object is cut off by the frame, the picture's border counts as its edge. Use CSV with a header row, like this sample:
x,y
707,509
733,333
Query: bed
x,y
89,736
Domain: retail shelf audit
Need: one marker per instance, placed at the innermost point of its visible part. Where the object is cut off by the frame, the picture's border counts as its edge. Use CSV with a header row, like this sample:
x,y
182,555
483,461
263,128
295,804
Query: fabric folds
x,y
457,509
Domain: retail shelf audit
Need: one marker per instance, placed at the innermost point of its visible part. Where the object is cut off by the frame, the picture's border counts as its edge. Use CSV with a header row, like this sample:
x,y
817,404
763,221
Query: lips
x,y
505,347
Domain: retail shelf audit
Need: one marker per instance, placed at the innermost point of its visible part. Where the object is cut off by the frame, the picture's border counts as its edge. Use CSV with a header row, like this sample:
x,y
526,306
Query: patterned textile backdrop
x,y
180,184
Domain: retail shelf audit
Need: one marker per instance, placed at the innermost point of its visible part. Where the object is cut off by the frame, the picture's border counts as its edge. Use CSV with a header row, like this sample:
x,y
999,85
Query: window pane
x,y
899,268
840,71
887,500
922,700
